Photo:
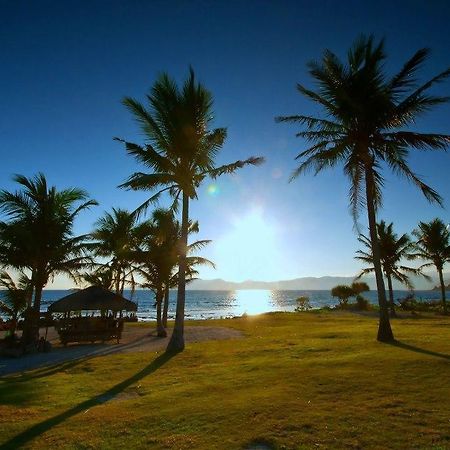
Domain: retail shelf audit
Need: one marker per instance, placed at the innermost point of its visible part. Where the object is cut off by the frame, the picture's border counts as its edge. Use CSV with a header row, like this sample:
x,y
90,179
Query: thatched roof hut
x,y
93,298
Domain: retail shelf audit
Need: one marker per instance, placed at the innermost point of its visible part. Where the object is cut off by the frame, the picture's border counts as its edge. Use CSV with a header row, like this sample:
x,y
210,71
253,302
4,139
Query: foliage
x,y
433,244
15,297
393,250
38,235
180,151
410,303
303,304
117,236
363,128
343,293
362,304
359,287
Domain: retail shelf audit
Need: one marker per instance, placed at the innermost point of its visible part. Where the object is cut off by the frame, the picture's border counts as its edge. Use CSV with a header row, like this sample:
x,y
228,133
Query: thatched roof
x,y
93,298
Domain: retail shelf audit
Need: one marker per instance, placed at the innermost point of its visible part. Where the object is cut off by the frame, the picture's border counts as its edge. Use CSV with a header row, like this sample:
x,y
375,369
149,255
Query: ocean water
x,y
226,304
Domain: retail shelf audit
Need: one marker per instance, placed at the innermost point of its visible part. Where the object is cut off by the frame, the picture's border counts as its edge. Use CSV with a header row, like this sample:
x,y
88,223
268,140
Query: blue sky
x,y
67,65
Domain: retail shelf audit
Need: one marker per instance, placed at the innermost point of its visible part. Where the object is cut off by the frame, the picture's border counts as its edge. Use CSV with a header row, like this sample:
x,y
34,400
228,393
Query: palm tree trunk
x,y
117,280
166,305
30,334
176,343
161,332
384,327
441,280
391,296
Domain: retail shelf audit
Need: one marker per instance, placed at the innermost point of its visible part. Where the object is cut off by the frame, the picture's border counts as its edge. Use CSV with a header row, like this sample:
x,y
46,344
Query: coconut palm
x,y
364,128
393,250
433,244
15,297
158,259
38,235
179,150
116,237
101,277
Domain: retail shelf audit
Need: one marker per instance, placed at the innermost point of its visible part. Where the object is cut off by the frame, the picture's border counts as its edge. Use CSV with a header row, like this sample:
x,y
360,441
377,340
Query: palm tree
x,y
159,257
393,250
101,277
364,128
16,296
38,237
179,151
116,237
433,244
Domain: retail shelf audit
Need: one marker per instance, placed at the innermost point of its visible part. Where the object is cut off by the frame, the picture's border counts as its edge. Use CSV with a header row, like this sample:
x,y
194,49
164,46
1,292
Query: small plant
x,y
362,303
303,304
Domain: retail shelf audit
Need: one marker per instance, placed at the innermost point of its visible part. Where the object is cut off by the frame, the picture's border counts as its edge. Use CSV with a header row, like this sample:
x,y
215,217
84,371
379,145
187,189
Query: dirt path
x,y
134,339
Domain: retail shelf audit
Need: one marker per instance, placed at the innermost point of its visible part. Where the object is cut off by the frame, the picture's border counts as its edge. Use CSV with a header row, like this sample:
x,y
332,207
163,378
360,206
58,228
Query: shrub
x,y
303,304
362,303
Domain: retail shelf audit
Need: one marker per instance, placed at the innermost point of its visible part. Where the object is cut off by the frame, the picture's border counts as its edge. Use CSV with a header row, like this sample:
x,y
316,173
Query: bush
x,y
362,303
411,304
303,304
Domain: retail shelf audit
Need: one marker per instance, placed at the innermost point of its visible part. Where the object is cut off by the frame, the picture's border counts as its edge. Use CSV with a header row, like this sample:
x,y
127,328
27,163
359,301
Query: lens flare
x,y
213,190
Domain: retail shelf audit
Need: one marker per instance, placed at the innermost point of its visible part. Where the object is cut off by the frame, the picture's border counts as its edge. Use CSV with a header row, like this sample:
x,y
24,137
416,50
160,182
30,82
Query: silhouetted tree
x,y
158,256
343,293
393,250
38,236
433,244
15,297
116,236
180,150
363,128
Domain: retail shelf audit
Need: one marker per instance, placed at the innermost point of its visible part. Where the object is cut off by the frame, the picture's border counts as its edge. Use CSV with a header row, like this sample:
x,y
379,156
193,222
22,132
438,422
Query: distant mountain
x,y
302,284
438,288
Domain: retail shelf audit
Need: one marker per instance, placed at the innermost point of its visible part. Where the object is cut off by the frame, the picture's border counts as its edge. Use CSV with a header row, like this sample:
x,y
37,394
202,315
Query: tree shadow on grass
x,y
419,350
40,428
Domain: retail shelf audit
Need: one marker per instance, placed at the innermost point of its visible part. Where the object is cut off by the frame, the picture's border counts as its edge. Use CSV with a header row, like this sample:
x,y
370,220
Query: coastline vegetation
x,y
362,127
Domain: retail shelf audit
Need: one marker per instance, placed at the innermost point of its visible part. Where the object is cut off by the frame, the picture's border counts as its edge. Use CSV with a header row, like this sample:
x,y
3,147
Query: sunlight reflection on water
x,y
254,301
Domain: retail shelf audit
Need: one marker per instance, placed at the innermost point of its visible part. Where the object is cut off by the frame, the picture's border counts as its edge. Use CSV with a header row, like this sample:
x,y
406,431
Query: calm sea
x,y
225,304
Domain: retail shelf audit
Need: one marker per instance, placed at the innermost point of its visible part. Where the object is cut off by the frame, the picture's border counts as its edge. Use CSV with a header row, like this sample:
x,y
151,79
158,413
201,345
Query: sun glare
x,y
252,302
249,250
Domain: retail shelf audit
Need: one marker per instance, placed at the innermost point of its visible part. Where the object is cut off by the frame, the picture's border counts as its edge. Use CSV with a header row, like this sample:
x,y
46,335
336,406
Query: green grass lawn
x,y
295,381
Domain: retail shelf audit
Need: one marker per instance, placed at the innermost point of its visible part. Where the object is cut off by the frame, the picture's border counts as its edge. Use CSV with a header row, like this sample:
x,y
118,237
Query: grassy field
x,y
294,381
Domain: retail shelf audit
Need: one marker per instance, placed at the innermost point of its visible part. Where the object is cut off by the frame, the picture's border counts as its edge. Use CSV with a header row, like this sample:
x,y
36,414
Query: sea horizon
x,y
220,304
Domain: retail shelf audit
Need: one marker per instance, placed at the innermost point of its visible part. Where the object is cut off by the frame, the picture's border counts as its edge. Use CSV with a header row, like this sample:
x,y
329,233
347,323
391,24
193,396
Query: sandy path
x,y
134,339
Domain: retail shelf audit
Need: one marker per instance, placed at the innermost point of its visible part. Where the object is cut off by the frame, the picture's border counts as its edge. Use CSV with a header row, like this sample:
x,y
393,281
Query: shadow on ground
x,y
42,427
424,351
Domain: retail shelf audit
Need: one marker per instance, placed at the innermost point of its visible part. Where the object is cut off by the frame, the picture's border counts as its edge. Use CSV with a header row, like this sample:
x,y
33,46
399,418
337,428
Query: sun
x,y
250,249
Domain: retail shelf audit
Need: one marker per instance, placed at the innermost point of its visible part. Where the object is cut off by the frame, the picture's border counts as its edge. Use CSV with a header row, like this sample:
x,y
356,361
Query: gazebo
x,y
103,315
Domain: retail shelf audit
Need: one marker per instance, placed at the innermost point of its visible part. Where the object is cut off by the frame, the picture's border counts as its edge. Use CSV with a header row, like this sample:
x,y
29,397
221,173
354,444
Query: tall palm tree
x,y
15,297
393,250
116,236
364,127
38,235
433,244
179,150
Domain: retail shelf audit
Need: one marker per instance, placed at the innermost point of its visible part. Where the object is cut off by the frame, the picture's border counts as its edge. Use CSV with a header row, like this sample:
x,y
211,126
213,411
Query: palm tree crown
x,y
366,116
393,250
433,244
180,147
